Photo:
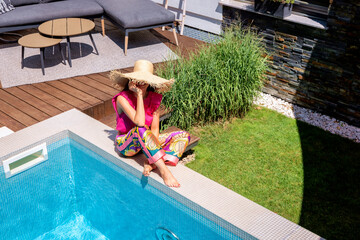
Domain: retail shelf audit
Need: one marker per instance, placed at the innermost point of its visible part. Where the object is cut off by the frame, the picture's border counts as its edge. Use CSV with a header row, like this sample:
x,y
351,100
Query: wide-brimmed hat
x,y
143,73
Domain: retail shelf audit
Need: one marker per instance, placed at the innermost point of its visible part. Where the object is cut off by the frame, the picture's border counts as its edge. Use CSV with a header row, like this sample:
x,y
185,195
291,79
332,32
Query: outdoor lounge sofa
x,y
128,15
137,15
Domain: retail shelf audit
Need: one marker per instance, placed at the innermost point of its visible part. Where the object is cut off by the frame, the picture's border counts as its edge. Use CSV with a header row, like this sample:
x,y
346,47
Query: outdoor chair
x,y
137,15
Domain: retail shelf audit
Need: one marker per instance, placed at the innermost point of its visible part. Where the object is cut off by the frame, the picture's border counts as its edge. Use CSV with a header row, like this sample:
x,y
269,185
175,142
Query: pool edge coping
x,y
223,202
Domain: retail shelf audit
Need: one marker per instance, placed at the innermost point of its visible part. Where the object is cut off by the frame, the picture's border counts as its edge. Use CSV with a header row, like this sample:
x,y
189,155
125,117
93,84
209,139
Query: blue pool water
x,y
77,194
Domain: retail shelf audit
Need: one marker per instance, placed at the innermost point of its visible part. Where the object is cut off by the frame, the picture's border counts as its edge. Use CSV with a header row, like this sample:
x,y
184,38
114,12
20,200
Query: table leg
x,y
68,39
62,54
92,40
42,60
22,56
126,42
68,50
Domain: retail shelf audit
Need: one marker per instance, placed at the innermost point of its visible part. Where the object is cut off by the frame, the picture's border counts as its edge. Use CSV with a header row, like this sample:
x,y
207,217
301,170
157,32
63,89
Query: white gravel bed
x,y
309,116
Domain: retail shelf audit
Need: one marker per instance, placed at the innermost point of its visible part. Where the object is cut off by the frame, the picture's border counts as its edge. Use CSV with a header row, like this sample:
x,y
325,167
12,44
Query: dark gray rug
x,y
142,45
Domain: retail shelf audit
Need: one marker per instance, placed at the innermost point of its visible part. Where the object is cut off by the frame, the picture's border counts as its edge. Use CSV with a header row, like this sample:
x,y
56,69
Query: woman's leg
x,y
174,145
149,144
154,153
128,144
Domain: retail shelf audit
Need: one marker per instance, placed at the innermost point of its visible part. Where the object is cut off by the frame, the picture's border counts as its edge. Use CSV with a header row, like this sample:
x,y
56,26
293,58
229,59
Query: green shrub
x,y
219,81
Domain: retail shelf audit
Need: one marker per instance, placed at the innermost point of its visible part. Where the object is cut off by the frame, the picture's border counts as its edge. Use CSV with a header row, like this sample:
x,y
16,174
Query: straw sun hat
x,y
143,73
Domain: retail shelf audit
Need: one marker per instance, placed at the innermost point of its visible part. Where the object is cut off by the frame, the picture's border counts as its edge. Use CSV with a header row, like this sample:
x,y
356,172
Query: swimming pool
x,y
55,200
78,194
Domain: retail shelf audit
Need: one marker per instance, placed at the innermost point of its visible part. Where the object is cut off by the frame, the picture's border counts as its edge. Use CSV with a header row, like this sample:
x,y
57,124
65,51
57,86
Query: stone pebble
x,y
311,117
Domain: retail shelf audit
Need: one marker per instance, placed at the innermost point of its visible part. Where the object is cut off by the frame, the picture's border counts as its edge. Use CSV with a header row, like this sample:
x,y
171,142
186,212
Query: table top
x,y
36,40
66,27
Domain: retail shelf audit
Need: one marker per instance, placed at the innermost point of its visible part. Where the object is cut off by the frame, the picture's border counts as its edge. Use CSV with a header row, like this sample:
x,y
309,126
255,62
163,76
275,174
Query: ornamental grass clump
x,y
219,81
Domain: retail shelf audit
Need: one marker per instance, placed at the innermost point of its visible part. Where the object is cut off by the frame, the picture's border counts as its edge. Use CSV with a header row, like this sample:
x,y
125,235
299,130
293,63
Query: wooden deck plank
x,y
109,120
102,79
75,102
16,114
46,97
111,91
37,103
186,46
94,90
10,123
75,92
8,96
105,74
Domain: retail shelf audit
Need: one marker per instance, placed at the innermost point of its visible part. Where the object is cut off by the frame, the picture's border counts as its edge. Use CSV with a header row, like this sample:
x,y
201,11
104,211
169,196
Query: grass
x,y
301,172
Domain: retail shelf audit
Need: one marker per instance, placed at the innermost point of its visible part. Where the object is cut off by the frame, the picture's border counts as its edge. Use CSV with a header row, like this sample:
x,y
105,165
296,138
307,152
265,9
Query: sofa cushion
x,y
23,2
136,13
5,6
38,13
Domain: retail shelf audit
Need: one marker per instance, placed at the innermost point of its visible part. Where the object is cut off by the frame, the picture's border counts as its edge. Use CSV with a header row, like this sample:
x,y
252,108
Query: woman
x,y
138,115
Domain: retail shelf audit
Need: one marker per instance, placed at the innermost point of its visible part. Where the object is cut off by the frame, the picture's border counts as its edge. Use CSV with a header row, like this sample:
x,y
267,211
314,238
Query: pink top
x,y
151,103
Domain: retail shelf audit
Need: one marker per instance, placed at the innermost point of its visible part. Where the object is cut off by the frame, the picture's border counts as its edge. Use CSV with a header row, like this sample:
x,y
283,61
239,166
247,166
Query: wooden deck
x,y
25,105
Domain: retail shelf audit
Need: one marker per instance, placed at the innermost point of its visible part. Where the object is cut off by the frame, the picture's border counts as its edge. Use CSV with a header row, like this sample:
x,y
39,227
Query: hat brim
x,y
117,80
160,84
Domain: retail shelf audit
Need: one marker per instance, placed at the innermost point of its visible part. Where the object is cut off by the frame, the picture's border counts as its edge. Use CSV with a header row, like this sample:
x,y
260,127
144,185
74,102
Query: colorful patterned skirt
x,y
170,146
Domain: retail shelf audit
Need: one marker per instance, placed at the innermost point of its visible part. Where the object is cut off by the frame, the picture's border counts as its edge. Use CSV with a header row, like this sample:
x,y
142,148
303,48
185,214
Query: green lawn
x,y
301,172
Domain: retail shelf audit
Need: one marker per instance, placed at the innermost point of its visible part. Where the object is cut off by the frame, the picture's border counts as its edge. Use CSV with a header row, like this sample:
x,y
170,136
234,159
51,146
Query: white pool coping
x,y
232,207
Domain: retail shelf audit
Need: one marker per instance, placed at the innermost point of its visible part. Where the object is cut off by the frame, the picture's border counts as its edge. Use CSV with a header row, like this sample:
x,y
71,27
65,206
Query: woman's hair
x,y
126,87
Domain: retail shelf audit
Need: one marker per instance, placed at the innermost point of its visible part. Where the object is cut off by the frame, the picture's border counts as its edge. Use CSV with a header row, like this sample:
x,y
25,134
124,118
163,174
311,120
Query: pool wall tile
x,y
44,207
23,147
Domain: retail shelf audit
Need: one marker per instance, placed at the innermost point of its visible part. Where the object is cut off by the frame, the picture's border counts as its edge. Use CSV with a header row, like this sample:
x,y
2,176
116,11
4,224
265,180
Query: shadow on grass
x,y
330,206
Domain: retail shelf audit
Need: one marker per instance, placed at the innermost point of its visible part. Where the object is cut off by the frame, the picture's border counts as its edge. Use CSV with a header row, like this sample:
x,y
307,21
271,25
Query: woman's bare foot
x,y
148,168
168,178
166,175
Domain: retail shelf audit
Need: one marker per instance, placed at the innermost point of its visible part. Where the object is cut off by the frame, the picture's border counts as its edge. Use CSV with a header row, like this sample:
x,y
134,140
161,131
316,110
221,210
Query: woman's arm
x,y
136,116
155,123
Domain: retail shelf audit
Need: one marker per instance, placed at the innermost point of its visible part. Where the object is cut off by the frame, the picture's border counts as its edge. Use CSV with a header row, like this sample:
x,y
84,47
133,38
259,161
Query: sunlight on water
x,y
77,227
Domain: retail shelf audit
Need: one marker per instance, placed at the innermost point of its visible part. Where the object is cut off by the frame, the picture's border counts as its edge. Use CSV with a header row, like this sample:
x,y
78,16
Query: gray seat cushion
x,y
38,13
136,13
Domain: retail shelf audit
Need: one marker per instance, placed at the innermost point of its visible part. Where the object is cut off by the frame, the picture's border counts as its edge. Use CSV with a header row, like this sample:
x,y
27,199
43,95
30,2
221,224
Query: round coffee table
x,y
36,40
68,27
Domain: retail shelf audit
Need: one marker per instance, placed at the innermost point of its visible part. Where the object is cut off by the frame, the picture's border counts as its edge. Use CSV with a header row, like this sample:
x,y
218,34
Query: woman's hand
x,y
136,115
133,87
